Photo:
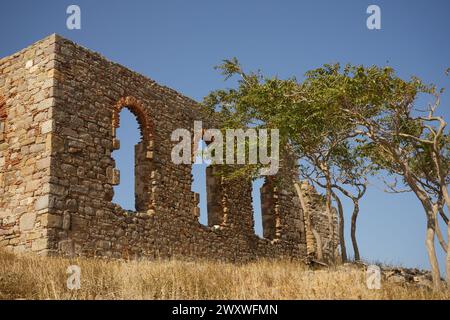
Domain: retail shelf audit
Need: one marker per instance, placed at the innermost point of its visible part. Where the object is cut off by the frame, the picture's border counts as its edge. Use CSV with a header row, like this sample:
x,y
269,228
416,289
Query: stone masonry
x,y
59,111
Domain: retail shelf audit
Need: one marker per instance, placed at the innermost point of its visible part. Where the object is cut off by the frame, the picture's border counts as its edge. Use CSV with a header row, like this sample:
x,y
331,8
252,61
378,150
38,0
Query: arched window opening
x,y
199,183
128,158
144,174
257,206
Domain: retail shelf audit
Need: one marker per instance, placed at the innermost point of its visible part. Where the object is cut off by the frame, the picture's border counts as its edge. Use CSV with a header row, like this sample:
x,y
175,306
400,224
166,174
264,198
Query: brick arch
x,y
144,199
2,109
137,108
3,115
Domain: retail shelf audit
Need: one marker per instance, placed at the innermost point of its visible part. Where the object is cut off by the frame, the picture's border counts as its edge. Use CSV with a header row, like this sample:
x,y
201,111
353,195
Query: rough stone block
x,y
47,126
42,203
51,221
39,244
27,221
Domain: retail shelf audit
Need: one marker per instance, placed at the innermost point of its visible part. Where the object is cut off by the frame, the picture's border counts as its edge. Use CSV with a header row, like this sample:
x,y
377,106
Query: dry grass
x,y
30,277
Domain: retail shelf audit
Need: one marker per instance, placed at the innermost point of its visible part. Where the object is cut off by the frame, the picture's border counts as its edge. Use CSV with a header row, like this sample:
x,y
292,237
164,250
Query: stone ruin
x,y
59,110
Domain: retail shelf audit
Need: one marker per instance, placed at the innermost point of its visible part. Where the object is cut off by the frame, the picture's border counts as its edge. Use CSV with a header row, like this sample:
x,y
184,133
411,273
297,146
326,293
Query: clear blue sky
x,y
177,43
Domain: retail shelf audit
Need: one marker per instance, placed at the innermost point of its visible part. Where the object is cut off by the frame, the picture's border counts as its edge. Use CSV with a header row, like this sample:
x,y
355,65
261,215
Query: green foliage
x,y
346,120
308,115
382,107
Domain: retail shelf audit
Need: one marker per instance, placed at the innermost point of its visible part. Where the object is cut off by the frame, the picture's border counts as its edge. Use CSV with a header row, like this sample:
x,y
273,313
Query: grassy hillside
x,y
31,277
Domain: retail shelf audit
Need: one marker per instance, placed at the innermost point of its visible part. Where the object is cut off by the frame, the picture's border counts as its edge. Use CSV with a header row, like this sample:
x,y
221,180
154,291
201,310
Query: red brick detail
x,y
3,114
137,108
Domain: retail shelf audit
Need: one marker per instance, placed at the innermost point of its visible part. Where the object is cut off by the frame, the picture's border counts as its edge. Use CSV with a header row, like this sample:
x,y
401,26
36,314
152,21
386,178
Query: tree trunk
x,y
447,260
341,228
436,209
443,216
443,185
329,209
446,196
353,230
441,238
428,207
432,255
441,174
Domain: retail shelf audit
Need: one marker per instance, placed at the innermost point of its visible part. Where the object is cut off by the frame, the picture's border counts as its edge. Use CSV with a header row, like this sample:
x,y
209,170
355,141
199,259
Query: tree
x,y
335,110
350,171
361,190
352,183
383,109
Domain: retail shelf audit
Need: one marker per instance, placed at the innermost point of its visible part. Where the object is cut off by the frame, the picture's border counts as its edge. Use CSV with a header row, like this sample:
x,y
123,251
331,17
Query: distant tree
x,y
350,179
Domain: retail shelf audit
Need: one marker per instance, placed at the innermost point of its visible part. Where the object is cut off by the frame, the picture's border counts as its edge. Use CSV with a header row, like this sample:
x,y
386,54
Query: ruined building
x,y
59,110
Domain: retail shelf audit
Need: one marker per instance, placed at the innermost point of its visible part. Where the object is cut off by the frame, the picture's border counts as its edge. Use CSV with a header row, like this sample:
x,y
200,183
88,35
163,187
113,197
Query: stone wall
x,y
320,222
26,111
57,175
